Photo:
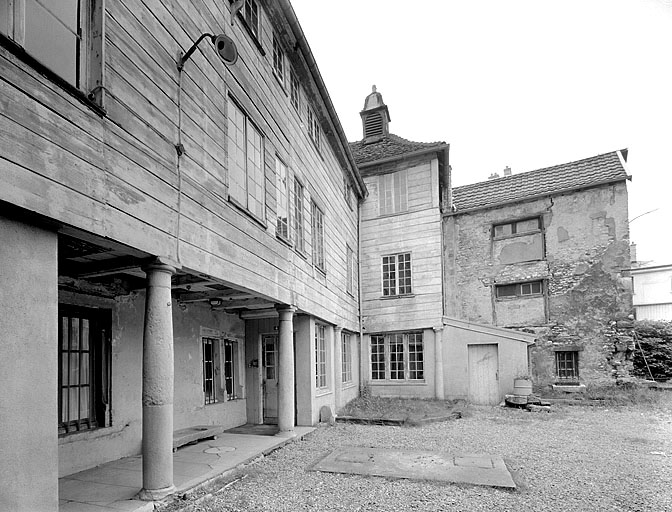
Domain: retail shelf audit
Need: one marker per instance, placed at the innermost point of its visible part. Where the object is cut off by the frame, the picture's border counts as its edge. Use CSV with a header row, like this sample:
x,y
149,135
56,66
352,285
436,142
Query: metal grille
x,y
209,370
320,358
567,366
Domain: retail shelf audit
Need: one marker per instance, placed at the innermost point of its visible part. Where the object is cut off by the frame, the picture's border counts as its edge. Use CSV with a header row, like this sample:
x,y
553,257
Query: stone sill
x,y
569,389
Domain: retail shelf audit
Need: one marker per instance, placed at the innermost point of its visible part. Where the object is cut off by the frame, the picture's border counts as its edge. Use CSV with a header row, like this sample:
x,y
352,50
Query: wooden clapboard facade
x,y
236,178
401,263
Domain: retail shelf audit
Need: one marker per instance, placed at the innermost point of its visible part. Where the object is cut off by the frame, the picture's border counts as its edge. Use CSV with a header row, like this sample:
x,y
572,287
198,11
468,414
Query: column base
x,y
155,494
286,434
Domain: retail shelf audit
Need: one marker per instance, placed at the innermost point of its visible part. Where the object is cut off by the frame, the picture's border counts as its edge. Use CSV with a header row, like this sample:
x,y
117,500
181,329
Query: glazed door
x,y
269,347
484,374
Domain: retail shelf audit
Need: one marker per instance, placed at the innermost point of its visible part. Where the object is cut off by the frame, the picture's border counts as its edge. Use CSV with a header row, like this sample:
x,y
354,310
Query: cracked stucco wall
x,y
584,249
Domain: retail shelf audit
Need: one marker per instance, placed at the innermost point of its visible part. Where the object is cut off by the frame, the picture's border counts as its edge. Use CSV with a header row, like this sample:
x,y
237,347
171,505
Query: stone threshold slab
x,y
476,469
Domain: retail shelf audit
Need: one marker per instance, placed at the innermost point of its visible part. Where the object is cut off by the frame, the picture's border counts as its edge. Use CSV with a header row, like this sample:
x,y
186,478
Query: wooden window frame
x,y
521,290
394,268
87,83
321,381
393,193
278,61
314,131
282,229
400,364
250,17
298,215
294,91
250,171
516,228
318,241
346,358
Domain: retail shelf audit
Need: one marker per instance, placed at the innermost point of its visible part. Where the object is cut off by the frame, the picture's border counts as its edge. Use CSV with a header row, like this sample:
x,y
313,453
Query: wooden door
x,y
269,347
483,374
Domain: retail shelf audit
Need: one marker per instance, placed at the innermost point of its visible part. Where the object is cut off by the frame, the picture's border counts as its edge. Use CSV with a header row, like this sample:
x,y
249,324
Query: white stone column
x,y
157,385
286,371
439,392
338,367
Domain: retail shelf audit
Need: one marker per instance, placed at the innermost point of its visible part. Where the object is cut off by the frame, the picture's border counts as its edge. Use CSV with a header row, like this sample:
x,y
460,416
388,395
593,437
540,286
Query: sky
x,y
526,84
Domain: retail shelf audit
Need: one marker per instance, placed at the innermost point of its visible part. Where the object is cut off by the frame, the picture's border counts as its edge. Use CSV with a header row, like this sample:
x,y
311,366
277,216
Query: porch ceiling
x,y
99,266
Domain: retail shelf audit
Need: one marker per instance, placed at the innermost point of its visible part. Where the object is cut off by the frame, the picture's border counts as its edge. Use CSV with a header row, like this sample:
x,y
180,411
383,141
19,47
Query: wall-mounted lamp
x,y
216,302
224,45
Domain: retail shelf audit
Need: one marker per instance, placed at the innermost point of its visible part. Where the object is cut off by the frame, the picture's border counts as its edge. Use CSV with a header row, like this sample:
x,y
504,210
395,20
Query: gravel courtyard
x,y
576,458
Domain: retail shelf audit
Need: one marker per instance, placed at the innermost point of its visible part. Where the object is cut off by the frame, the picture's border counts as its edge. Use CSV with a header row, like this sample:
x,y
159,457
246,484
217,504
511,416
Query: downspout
x,y
446,206
362,359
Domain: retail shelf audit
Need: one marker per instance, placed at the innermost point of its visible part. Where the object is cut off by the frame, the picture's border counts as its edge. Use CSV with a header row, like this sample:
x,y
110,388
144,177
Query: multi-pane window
x,y
519,227
567,366
320,357
313,126
84,369
519,289
64,36
397,278
397,356
297,216
278,60
377,357
392,192
318,237
218,370
250,13
346,361
294,91
282,226
351,277
246,162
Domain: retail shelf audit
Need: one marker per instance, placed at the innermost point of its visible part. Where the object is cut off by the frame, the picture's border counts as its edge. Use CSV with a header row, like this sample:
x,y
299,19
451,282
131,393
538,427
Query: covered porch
x,y
115,485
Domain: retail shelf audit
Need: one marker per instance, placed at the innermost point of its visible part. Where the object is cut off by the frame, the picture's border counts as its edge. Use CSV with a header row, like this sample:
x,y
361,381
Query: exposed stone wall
x,y
586,244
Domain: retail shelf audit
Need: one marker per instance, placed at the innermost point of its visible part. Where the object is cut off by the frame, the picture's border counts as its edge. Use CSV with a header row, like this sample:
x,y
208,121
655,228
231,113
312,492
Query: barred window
x,y
396,272
397,356
84,369
218,370
567,366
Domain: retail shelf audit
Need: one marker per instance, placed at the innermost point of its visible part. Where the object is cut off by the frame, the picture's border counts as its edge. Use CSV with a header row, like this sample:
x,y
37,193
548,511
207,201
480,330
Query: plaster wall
x,y
29,369
586,242
512,357
123,437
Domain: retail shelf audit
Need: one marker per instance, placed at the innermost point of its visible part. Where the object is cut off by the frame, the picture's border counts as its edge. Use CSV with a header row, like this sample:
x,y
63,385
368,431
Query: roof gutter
x,y
302,43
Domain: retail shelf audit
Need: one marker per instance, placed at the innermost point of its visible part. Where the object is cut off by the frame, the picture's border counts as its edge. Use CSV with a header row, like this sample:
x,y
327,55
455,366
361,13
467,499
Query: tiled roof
x,y
595,170
388,146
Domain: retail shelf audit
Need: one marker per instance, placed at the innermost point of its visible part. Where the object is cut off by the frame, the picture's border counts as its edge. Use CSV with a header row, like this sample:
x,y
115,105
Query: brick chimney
x,y
507,171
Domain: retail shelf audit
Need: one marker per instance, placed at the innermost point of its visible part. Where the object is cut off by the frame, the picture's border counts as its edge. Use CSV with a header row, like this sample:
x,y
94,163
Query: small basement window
x,y
519,289
567,367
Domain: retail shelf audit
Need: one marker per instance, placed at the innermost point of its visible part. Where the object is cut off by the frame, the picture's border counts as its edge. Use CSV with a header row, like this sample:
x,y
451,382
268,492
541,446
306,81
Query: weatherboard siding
x,y
418,231
117,176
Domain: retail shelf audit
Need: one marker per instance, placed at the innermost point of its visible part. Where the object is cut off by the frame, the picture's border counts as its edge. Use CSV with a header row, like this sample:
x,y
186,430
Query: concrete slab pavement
x,y
115,485
476,469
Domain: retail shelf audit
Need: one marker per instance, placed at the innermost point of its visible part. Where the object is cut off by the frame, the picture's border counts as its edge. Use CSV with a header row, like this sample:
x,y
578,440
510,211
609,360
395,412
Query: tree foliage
x,y
655,340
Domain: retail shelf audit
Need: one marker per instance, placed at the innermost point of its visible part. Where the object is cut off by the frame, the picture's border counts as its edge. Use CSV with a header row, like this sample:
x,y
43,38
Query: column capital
x,y
284,308
338,328
160,265
437,328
